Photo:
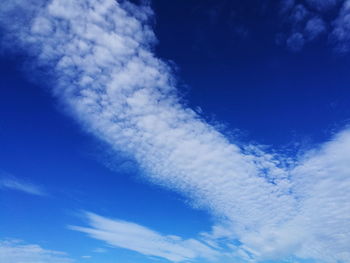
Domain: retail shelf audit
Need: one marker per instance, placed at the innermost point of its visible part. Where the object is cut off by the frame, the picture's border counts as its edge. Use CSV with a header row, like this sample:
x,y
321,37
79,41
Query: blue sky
x,y
174,131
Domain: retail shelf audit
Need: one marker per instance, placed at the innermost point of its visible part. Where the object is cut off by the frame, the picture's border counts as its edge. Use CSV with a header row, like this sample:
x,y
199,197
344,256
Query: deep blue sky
x,y
229,51
233,67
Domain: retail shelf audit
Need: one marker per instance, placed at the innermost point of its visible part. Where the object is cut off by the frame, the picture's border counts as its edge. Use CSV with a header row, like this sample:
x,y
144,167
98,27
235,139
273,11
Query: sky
x,y
174,131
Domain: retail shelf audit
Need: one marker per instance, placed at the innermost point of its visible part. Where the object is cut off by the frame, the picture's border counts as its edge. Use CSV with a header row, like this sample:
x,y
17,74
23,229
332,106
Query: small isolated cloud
x,y
14,251
13,183
143,240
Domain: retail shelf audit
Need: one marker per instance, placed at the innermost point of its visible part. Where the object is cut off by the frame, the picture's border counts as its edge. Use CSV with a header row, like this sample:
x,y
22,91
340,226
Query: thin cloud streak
x,y
100,56
146,241
12,183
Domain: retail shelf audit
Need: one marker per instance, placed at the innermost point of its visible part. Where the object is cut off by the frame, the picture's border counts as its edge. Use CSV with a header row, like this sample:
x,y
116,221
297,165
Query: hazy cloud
x,y
340,36
99,250
314,28
296,42
322,5
312,18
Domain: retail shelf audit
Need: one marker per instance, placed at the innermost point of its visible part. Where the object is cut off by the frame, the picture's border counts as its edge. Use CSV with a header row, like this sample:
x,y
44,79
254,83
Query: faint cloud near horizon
x,y
19,251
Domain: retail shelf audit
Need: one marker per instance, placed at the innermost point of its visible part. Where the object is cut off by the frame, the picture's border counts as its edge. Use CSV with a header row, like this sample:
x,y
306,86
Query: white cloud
x,y
106,74
322,182
12,183
12,251
138,238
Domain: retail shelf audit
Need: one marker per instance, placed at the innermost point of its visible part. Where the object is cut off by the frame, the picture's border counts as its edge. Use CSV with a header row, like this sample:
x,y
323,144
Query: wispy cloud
x,y
13,251
146,241
100,56
13,183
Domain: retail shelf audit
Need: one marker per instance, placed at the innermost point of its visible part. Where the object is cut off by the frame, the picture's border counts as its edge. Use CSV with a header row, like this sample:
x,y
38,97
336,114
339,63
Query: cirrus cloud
x,y
146,241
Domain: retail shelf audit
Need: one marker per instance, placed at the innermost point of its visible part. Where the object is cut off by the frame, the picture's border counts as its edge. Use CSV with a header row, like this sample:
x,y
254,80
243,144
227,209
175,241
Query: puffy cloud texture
x,y
311,19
